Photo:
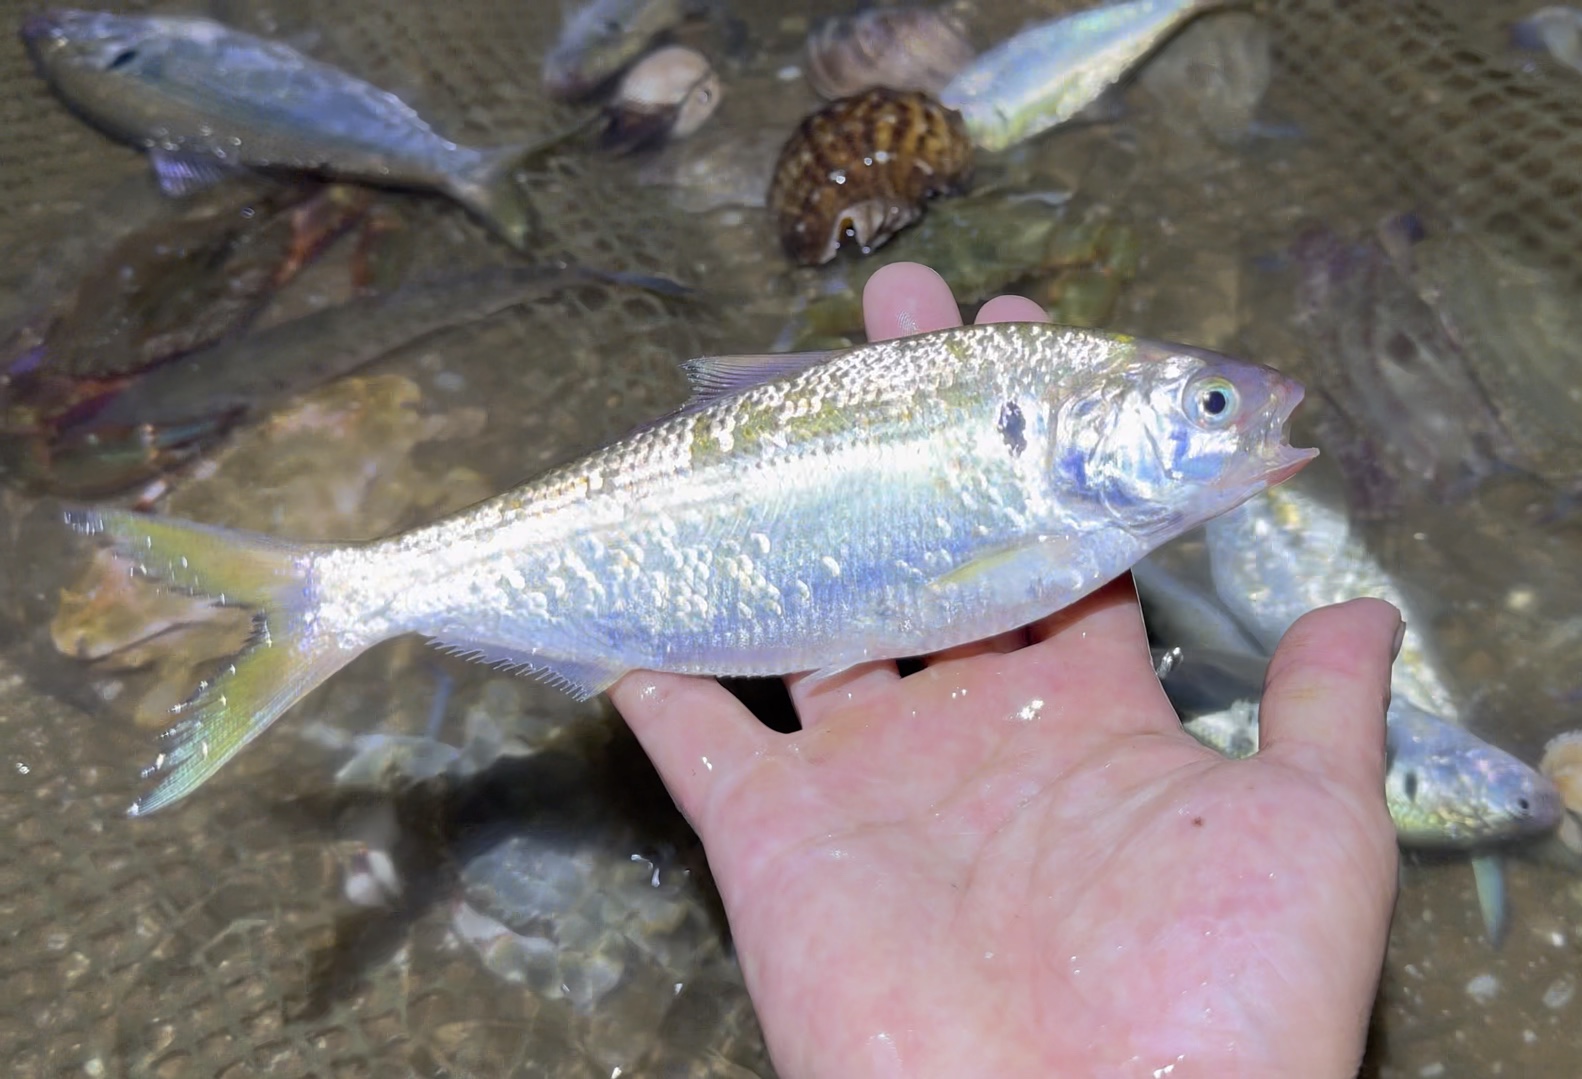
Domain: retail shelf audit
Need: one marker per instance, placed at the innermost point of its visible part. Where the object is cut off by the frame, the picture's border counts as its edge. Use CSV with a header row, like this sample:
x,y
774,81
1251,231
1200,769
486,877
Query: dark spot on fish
x,y
1523,806
1197,822
1410,784
1012,428
1401,348
122,59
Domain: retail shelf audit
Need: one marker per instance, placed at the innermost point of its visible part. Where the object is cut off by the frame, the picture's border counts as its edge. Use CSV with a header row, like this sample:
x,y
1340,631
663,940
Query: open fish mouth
x,y
1283,459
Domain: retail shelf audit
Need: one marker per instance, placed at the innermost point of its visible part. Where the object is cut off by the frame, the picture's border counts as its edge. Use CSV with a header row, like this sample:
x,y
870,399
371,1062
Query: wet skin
x,y
1014,862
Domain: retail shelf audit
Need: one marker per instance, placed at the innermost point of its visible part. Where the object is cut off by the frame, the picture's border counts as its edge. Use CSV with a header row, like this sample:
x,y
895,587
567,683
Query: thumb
x,y
1326,693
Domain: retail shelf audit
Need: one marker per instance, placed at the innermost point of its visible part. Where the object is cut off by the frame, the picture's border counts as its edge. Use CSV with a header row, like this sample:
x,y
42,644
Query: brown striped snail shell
x,y
903,48
668,94
861,168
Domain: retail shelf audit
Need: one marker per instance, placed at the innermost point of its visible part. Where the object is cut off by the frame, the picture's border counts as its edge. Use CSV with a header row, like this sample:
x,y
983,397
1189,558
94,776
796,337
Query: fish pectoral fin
x,y
1003,575
182,174
714,377
579,678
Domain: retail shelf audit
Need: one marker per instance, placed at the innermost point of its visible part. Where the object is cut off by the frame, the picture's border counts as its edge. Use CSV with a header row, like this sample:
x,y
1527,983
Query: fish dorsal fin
x,y
713,377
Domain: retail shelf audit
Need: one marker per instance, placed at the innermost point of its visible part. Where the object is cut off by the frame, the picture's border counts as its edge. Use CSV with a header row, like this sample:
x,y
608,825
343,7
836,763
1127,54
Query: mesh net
x,y
214,941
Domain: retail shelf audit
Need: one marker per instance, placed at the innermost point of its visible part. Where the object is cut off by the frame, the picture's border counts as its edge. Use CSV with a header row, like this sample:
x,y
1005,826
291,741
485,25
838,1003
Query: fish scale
x,y
803,513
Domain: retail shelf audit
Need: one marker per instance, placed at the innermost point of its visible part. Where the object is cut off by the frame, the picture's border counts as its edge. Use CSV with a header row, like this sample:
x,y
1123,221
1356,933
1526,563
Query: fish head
x,y
1448,788
1175,435
67,44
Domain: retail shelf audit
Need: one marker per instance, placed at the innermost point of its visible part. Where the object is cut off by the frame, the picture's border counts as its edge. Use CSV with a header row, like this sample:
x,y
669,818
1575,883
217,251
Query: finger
x,y
816,694
1011,309
904,298
1326,692
694,730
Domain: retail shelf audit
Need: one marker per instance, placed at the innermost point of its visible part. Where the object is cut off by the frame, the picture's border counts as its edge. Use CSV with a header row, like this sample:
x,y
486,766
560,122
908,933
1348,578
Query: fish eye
x,y
1212,401
122,58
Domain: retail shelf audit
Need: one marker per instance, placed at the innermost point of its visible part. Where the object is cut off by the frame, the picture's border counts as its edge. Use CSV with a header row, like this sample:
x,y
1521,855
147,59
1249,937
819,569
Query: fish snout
x,y
1541,807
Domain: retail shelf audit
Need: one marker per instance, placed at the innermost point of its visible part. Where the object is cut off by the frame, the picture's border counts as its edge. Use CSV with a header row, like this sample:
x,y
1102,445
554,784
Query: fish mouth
x,y
1285,460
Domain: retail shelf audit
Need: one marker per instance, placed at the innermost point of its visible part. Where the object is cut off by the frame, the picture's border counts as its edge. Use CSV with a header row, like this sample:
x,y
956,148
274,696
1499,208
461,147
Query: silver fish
x,y
1048,73
1445,787
1282,555
806,512
204,99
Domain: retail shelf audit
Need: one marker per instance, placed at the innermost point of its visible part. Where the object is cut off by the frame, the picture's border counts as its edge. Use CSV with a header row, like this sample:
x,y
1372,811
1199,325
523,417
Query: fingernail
x,y
1400,639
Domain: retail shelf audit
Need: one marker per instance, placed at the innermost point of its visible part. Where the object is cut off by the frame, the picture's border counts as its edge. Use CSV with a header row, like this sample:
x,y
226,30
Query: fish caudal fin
x,y
287,656
489,188
491,192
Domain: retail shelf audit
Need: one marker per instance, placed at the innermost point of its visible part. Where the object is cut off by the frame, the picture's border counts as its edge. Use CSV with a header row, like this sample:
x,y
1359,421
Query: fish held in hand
x,y
803,512
204,100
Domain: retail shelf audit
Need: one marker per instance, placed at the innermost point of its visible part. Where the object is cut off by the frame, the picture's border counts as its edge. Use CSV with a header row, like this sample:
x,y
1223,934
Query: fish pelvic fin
x,y
288,655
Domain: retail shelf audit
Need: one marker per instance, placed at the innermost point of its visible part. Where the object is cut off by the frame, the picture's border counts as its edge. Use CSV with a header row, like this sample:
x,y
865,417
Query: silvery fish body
x,y
1280,556
202,98
805,513
1445,787
1049,73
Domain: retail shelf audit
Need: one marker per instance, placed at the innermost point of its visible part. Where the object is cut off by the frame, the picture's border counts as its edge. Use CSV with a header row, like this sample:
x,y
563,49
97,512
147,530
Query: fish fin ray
x,y
714,377
287,656
578,678
180,174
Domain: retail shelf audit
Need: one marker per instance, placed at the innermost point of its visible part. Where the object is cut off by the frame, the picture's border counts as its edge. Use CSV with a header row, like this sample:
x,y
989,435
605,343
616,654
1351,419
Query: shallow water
x,y
218,939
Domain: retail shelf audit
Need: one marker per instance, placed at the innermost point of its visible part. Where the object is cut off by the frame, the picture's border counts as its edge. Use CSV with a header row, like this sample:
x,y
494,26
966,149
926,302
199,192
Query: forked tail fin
x,y
289,654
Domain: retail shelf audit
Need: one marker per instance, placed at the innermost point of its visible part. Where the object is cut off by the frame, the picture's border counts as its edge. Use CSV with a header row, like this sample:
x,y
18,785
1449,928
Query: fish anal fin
x,y
182,174
579,678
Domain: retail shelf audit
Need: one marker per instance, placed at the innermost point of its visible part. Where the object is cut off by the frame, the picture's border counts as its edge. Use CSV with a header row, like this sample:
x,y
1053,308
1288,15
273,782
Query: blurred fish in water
x,y
1047,74
806,513
205,100
1404,416
1281,555
1445,787
601,37
166,416
1556,29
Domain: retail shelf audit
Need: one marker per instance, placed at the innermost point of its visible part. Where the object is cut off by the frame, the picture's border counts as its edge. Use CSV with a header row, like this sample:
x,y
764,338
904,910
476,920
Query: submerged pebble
x,y
669,93
901,48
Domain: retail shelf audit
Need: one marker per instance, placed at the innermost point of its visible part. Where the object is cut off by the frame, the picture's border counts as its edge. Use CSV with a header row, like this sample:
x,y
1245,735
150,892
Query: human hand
x,y
1014,862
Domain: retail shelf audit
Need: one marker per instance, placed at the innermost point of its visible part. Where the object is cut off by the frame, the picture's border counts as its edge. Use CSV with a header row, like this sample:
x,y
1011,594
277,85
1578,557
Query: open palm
x,y
1014,862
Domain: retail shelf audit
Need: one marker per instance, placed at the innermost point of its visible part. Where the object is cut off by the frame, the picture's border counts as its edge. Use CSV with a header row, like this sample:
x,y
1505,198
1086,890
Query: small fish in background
x,y
1049,73
600,38
1446,788
1556,29
807,512
1282,555
205,100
